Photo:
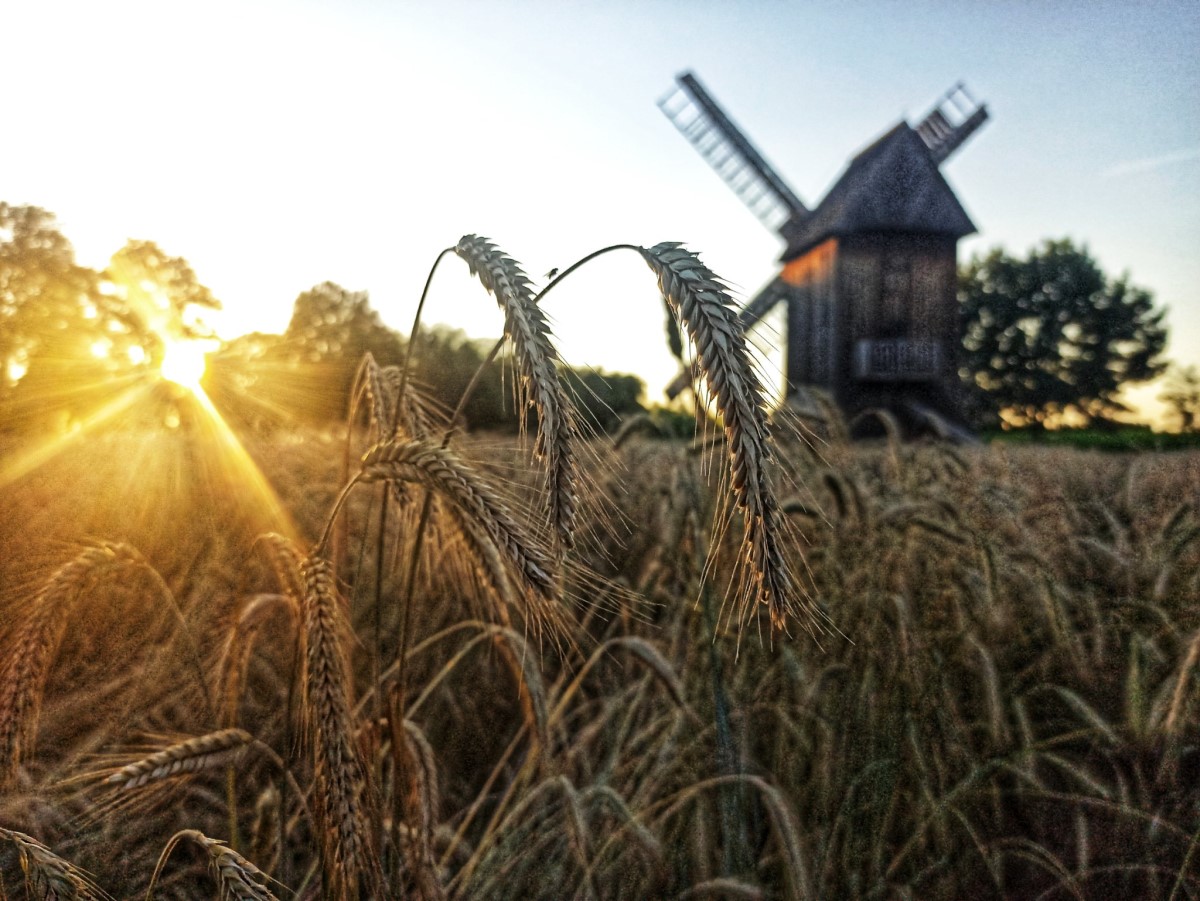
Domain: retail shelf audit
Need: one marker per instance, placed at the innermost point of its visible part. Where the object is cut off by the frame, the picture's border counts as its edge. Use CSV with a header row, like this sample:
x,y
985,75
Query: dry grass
x,y
1009,713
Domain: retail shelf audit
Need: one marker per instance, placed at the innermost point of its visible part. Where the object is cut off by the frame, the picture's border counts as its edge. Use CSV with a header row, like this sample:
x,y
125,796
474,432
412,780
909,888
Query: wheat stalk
x,y
442,471
48,876
392,413
285,559
191,755
538,384
266,833
237,878
238,645
707,311
23,679
338,769
417,801
381,394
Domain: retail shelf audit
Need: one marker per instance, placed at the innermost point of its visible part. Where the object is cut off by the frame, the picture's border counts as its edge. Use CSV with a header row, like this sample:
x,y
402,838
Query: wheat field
x,y
768,664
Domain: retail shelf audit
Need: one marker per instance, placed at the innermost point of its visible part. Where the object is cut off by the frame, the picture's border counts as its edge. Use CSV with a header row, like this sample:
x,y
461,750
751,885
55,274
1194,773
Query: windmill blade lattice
x,y
948,125
707,128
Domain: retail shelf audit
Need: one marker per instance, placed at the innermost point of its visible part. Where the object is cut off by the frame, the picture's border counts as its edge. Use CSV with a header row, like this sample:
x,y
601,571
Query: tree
x,y
604,398
160,296
1183,395
330,331
444,362
309,371
56,326
1052,333
42,289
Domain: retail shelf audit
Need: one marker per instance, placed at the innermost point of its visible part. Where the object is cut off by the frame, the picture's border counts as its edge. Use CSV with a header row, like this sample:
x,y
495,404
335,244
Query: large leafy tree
x,y
331,323
1182,393
43,291
159,294
330,330
58,329
1051,333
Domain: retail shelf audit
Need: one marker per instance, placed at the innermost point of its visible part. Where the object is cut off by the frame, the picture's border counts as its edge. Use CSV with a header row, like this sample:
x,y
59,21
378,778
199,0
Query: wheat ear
x,y
341,790
238,646
391,413
417,801
285,559
49,876
442,471
189,756
237,878
538,384
708,313
266,833
23,678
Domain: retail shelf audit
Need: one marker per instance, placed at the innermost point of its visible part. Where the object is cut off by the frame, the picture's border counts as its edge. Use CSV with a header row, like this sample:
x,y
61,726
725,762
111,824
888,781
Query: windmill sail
x,y
948,125
699,119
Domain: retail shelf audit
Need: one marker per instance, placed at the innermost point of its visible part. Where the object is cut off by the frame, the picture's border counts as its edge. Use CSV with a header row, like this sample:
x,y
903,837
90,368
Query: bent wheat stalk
x,y
342,790
442,471
538,383
237,878
23,679
49,876
707,311
189,756
698,298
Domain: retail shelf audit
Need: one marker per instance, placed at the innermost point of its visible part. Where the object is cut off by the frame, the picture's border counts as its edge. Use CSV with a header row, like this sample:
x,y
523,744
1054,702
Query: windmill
x,y
868,275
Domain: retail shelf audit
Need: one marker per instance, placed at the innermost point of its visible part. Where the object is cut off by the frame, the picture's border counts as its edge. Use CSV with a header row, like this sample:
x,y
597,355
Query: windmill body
x,y
868,275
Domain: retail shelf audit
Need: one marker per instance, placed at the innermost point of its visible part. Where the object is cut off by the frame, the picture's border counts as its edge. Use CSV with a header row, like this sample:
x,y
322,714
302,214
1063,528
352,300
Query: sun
x,y
184,362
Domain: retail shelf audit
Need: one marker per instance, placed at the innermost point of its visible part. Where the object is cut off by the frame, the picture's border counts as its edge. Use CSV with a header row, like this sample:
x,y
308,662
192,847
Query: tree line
x,y
72,338
1043,335
309,370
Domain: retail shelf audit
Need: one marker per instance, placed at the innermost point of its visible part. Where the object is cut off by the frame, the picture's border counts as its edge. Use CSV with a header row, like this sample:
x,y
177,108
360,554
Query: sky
x,y
279,145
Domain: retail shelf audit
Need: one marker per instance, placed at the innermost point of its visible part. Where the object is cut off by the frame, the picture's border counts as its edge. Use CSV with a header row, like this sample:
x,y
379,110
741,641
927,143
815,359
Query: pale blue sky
x,y
277,145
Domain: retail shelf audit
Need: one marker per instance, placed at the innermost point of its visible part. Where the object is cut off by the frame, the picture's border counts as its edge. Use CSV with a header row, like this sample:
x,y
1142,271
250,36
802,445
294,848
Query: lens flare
x,y
184,363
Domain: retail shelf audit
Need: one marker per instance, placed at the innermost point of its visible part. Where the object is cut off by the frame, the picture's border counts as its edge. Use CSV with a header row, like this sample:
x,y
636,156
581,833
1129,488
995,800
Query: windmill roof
x,y
892,185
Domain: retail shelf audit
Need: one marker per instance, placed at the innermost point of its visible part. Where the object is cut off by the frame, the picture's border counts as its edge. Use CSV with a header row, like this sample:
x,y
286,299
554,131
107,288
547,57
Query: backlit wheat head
x,y
708,313
538,383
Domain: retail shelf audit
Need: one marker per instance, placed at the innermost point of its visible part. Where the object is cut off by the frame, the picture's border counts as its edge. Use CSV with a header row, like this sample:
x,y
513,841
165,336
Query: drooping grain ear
x,y
266,830
49,876
23,676
708,313
342,792
538,382
479,506
191,755
238,646
285,559
418,801
236,876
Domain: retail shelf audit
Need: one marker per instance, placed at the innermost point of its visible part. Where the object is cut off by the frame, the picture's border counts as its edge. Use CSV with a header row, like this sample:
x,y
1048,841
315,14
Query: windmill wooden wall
x,y
873,312
873,318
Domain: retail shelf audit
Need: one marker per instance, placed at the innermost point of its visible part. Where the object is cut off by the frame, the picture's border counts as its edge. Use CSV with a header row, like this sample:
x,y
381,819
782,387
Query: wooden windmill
x,y
869,275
